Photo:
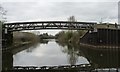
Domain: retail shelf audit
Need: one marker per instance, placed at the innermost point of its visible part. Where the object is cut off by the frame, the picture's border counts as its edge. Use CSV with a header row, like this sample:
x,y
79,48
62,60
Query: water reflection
x,y
102,57
52,53
31,48
72,51
48,54
43,54
73,57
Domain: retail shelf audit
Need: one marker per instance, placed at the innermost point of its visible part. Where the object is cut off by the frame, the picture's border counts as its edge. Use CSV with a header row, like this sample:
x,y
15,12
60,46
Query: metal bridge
x,y
9,28
18,26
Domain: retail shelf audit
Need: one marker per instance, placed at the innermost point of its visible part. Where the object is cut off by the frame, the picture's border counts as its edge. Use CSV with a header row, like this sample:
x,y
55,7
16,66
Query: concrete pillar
x,y
7,60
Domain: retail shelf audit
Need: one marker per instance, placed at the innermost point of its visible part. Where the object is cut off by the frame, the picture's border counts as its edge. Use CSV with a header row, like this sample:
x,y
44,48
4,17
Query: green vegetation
x,y
22,37
70,36
70,42
46,36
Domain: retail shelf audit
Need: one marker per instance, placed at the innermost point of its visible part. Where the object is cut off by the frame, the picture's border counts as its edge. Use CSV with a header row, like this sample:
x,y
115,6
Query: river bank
x,y
73,37
22,38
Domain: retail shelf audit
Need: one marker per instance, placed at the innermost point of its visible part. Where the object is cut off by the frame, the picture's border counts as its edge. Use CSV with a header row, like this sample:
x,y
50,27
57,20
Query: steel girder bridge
x,y
9,28
18,26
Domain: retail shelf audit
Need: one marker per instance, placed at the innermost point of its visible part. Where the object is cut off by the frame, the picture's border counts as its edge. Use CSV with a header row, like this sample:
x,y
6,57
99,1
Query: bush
x,y
19,37
70,36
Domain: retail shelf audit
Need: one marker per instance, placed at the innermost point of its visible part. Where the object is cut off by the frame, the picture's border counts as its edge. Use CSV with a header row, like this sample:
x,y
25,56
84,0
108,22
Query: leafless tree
x,y
72,19
2,14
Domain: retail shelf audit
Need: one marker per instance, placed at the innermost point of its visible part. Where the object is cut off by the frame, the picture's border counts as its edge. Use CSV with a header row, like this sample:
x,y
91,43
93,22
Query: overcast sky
x,y
32,10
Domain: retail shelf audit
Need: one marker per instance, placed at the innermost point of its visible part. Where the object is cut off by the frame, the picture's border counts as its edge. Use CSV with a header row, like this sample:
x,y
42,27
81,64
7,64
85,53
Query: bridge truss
x,y
18,26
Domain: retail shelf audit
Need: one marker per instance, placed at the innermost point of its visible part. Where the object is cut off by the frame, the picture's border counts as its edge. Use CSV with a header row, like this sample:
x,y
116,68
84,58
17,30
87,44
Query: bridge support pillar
x,y
7,60
7,37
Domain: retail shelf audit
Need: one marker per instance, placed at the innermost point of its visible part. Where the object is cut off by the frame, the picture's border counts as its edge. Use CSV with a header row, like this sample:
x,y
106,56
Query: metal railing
x,y
67,68
82,66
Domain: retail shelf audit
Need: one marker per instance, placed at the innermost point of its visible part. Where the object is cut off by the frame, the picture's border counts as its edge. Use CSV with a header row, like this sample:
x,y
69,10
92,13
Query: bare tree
x,y
72,19
2,14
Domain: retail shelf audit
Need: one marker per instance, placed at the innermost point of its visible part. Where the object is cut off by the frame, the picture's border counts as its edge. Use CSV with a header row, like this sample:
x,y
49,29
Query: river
x,y
52,53
48,54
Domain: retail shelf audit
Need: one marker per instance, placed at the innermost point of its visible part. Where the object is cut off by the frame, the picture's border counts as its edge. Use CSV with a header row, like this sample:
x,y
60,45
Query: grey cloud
x,y
59,0
88,11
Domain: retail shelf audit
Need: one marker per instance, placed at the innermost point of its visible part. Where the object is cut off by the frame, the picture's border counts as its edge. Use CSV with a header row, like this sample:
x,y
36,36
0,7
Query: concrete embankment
x,y
101,38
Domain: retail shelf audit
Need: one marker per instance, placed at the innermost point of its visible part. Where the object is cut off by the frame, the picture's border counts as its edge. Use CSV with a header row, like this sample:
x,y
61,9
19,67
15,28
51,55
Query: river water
x,y
48,54
52,53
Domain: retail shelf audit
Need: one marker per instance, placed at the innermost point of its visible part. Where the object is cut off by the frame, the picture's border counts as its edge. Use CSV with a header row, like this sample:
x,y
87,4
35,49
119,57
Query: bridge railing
x,y
66,67
53,67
